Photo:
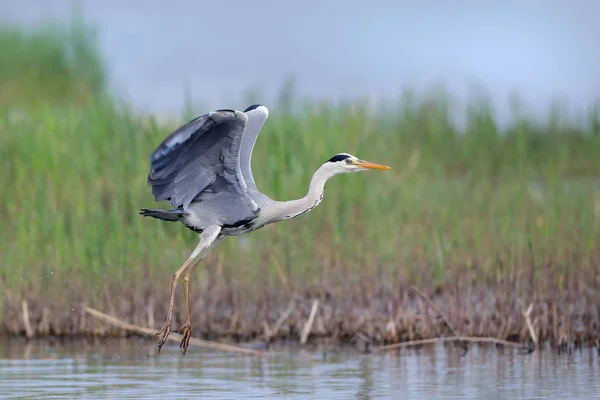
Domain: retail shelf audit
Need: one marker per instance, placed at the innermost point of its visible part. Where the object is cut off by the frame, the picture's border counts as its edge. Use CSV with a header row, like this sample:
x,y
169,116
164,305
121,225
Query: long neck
x,y
281,210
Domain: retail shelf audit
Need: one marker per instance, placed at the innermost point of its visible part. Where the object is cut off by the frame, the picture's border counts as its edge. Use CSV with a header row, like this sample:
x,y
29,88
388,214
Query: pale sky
x,y
542,49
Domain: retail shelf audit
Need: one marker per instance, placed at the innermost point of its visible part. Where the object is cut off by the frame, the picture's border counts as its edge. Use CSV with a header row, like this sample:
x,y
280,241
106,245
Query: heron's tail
x,y
165,215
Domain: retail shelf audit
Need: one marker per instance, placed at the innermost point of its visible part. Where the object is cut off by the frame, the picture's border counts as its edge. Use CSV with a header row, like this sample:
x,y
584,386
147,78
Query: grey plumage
x,y
165,215
203,169
197,167
197,156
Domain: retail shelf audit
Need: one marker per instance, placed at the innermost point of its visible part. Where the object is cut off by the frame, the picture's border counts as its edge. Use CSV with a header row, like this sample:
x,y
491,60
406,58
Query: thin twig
x,y
151,313
450,339
82,315
44,325
280,321
282,275
532,333
432,305
26,322
174,337
309,323
360,338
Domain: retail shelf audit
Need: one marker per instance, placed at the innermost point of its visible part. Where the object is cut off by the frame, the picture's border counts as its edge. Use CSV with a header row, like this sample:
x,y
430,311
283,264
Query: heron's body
x,y
203,169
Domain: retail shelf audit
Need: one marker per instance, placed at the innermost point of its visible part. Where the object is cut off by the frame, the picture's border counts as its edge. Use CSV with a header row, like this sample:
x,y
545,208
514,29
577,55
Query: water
x,y
132,369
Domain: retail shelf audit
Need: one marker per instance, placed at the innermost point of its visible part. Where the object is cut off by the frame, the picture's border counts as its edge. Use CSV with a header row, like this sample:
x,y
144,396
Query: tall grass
x,y
49,63
75,178
514,208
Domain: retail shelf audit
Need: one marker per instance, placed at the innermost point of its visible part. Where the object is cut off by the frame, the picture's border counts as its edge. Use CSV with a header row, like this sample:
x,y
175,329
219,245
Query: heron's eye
x,y
348,161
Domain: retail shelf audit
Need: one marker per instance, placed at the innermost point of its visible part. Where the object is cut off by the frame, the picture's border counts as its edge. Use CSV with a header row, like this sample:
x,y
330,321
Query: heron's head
x,y
343,163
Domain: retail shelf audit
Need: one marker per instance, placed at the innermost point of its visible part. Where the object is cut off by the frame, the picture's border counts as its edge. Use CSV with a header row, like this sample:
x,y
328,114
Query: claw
x,y
187,334
164,334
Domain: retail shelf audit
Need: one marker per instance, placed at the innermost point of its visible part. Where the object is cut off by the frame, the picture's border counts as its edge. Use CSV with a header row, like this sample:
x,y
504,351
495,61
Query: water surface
x,y
132,369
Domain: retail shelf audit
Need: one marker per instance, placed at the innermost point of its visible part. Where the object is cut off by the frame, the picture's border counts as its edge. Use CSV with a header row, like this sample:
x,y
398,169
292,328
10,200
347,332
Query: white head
x,y
343,163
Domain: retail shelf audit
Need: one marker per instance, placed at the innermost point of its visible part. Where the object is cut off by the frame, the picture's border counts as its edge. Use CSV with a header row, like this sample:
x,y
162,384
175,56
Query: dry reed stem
x,y
472,339
26,322
82,315
282,275
532,333
151,313
44,325
174,337
309,323
432,305
272,332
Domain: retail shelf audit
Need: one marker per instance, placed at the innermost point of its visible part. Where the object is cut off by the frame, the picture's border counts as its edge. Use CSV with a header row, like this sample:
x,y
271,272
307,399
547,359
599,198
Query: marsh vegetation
x,y
484,220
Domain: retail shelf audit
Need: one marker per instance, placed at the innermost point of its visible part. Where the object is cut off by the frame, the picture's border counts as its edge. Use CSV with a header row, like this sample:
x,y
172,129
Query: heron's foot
x,y
186,331
164,334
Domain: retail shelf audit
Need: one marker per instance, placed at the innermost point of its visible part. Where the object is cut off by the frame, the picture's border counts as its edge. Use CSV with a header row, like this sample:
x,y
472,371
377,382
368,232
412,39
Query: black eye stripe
x,y
338,157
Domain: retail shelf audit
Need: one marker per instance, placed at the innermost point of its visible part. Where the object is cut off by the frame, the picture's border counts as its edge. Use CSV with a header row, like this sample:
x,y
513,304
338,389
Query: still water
x,y
132,369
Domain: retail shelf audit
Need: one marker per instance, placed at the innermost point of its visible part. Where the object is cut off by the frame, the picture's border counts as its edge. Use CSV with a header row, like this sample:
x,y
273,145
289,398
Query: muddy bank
x,y
376,313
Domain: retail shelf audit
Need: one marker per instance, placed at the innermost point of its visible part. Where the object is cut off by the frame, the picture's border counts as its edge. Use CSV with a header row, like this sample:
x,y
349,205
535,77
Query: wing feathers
x,y
257,115
191,159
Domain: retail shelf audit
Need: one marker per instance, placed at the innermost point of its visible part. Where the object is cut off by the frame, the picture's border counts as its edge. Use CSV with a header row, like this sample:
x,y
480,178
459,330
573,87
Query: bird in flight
x,y
203,169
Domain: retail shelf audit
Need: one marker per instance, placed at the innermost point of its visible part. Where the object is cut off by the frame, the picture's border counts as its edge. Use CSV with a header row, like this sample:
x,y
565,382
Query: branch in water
x,y
174,337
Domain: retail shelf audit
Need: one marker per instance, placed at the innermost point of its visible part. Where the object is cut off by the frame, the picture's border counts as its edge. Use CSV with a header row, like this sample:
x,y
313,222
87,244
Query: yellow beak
x,y
370,165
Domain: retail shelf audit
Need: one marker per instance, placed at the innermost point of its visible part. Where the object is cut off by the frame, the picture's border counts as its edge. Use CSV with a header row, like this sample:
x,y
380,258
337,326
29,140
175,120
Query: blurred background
x,y
159,56
488,225
488,114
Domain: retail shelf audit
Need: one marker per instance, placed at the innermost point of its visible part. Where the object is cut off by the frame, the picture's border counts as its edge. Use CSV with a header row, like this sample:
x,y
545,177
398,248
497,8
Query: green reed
x,y
75,176
491,201
50,62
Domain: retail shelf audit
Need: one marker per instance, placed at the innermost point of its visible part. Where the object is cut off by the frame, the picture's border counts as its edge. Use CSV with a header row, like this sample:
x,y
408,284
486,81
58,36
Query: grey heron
x,y
203,169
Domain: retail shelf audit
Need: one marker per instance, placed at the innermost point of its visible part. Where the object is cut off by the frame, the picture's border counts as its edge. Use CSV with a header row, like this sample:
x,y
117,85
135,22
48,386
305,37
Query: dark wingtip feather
x,y
253,107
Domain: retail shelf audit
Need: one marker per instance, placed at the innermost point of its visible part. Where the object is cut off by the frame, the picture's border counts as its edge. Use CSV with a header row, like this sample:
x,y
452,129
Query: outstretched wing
x,y
201,158
257,115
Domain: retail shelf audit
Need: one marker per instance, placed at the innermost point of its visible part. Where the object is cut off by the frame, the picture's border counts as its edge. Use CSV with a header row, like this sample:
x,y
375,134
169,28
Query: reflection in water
x,y
132,369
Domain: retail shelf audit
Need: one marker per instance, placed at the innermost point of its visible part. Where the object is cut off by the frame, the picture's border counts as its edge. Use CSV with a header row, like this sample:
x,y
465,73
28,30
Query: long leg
x,y
166,329
186,329
207,241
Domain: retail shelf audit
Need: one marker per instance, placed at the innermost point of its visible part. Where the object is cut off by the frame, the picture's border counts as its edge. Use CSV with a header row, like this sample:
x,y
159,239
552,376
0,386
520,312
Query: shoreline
x,y
421,318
